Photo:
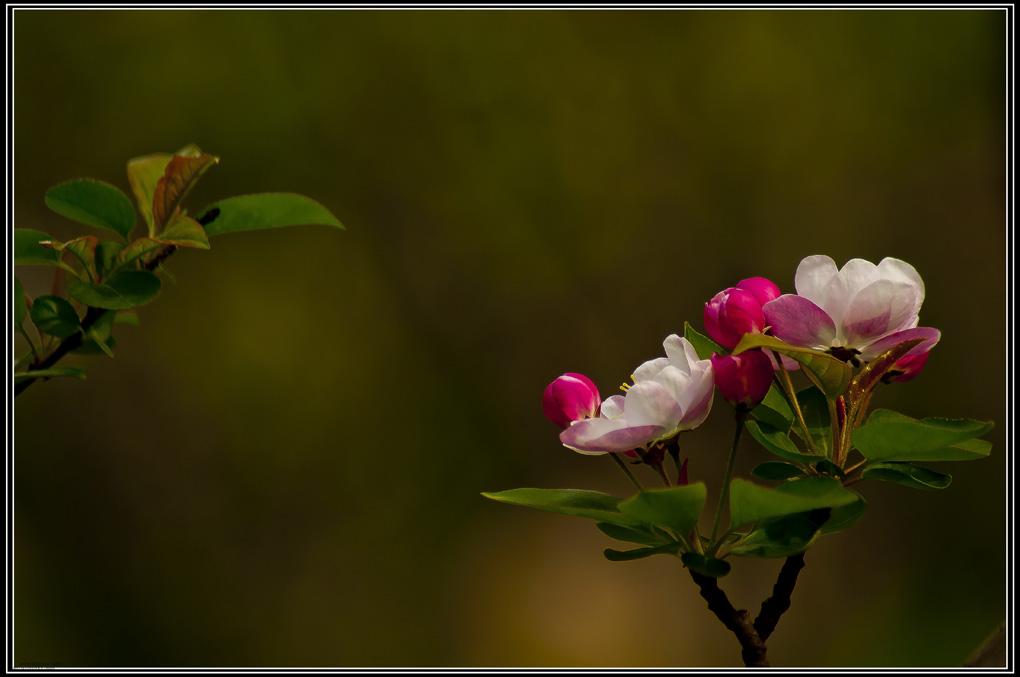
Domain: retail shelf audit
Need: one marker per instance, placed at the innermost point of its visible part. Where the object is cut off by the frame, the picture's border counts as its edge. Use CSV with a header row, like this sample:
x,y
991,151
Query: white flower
x,y
670,394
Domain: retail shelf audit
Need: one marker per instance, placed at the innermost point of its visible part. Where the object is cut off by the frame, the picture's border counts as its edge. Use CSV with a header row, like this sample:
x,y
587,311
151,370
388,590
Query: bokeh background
x,y
282,466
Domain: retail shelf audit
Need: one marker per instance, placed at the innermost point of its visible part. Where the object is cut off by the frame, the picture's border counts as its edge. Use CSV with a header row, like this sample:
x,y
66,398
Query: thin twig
x,y
776,605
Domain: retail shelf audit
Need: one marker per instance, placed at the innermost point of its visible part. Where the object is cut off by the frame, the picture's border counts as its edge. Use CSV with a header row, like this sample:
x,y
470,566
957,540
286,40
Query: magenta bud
x,y
569,398
732,313
764,290
907,368
743,379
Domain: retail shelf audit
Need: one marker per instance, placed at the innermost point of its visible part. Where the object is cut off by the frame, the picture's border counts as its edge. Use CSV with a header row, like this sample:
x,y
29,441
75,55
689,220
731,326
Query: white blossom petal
x,y
612,407
854,276
651,403
650,369
882,307
813,277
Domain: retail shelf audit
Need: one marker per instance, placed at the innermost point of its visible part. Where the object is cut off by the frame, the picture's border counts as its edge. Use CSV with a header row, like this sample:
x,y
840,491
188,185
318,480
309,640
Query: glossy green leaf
x,y
184,231
93,203
750,503
815,409
20,303
72,372
143,175
774,410
907,474
28,251
629,535
125,289
706,566
832,376
703,345
778,538
266,210
640,553
574,502
676,508
891,436
775,470
845,516
180,175
55,316
778,442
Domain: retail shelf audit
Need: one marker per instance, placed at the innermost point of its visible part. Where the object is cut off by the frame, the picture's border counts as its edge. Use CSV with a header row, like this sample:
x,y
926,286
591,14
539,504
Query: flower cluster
x,y
855,314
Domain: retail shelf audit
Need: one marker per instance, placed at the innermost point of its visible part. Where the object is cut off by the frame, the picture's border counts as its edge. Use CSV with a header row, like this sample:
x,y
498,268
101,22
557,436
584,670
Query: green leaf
x,y
832,376
143,175
907,474
266,210
751,503
28,251
778,442
676,508
706,566
20,304
778,538
83,249
93,203
890,436
103,325
136,250
72,372
574,502
126,317
640,553
629,535
106,256
184,231
122,290
96,347
775,470
774,410
55,316
830,468
815,409
845,516
180,175
703,345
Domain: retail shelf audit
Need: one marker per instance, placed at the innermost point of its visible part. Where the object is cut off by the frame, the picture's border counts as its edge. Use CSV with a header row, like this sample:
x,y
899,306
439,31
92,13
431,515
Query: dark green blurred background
x,y
282,465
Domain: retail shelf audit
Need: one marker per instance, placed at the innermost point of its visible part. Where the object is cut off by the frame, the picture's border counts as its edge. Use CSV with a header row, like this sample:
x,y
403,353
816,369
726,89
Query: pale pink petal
x,y
813,277
601,435
854,276
648,370
886,342
698,406
651,403
800,322
613,407
680,352
883,306
901,271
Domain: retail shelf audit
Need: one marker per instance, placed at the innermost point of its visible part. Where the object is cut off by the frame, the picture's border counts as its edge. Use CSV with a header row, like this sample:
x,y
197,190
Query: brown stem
x,y
737,621
67,345
779,602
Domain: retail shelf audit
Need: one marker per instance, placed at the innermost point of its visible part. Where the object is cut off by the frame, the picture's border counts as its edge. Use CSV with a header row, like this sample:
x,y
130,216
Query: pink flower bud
x,y
743,379
764,290
907,368
732,313
571,397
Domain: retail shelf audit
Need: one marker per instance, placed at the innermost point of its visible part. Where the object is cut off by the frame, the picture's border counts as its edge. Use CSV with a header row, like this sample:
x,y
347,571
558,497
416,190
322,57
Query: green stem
x,y
726,480
786,387
627,472
834,424
31,345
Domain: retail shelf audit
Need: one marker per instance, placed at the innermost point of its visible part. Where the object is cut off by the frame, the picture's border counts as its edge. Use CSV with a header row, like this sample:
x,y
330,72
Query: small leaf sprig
x,y
846,332
98,282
